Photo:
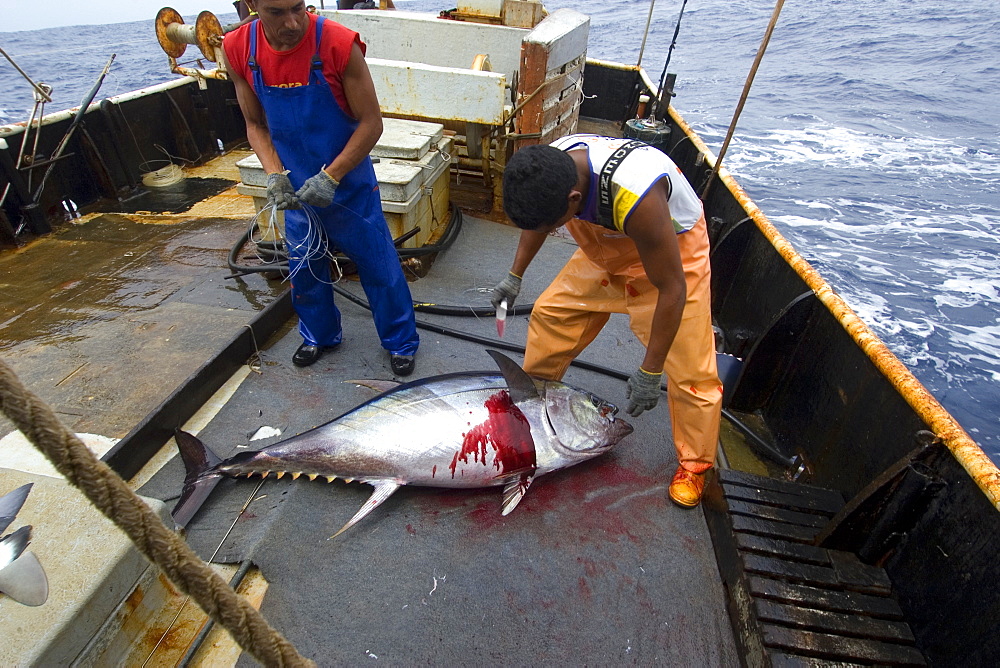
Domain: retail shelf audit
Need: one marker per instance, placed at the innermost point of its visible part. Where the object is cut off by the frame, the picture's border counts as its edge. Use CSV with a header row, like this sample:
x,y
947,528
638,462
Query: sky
x,y
16,15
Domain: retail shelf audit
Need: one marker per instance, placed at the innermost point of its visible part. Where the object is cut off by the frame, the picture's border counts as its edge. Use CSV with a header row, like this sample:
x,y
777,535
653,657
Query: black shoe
x,y
402,365
307,354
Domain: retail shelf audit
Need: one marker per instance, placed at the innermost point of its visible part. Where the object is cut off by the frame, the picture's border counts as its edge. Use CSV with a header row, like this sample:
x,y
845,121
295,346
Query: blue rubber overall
x,y
309,129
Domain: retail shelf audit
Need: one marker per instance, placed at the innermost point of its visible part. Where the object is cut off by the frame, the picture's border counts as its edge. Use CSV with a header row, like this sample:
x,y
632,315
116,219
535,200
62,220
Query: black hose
x,y
484,340
279,258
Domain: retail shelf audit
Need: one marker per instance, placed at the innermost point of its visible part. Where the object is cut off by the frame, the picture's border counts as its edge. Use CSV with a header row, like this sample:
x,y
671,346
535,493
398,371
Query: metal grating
x,y
790,602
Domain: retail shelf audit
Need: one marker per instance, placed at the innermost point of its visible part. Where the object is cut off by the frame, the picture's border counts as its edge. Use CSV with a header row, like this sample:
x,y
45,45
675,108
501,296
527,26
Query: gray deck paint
x,y
594,567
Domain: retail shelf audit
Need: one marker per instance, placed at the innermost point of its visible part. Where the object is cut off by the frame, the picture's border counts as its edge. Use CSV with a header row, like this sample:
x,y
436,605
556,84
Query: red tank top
x,y
291,68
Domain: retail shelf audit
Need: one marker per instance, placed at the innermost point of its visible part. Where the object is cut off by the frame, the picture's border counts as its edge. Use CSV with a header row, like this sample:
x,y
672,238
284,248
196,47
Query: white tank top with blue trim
x,y
637,173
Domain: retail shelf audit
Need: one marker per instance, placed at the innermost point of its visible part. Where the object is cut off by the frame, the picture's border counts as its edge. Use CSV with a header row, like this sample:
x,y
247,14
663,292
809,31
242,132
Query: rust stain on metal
x,y
134,600
968,453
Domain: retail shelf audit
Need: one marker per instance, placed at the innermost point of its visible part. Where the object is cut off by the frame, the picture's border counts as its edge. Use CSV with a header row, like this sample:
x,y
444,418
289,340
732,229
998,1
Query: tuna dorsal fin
x,y
514,491
377,385
519,383
24,580
10,504
383,490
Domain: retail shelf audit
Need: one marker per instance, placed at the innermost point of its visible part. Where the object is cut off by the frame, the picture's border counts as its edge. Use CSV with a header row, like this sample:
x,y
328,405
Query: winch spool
x,y
653,132
174,35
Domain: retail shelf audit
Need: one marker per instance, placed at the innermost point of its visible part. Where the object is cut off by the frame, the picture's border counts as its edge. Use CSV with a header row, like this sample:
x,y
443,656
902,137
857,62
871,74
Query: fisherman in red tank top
x,y
312,119
290,68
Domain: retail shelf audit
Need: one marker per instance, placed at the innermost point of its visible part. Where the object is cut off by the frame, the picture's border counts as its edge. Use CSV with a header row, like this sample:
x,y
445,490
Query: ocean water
x,y
871,138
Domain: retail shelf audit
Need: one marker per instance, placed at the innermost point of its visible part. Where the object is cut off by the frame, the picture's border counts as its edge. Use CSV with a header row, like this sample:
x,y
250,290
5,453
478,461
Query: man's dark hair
x,y
536,186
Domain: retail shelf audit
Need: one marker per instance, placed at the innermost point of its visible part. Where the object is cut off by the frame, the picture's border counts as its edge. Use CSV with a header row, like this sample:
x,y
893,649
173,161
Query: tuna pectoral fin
x,y
514,491
383,490
24,580
198,481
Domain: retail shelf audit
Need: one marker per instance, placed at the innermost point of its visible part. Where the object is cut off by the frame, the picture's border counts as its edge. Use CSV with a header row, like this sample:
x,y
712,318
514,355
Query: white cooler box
x,y
412,168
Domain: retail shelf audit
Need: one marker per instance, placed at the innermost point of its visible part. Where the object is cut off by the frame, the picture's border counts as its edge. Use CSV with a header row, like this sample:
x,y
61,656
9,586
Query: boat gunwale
x,y
966,451
15,129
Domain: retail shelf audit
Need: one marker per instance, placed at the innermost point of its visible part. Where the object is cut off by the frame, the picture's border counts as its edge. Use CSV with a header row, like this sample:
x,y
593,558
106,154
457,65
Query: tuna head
x,y
582,425
569,424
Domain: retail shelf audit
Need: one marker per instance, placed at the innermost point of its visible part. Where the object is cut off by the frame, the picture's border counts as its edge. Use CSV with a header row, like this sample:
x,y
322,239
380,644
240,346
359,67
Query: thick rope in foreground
x,y
160,545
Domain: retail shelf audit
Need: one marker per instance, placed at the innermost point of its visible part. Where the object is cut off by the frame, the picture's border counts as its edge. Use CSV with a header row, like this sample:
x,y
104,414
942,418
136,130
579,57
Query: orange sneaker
x,y
686,488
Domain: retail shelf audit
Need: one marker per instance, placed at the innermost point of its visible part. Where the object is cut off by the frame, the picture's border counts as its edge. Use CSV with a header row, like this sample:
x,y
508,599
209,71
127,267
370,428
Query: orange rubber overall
x,y
606,276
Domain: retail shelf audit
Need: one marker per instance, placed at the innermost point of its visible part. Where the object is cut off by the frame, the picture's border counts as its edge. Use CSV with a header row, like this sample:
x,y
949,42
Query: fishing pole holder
x,y
174,36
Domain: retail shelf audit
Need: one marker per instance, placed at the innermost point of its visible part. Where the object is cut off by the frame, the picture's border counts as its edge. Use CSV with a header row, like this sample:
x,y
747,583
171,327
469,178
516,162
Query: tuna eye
x,y
604,408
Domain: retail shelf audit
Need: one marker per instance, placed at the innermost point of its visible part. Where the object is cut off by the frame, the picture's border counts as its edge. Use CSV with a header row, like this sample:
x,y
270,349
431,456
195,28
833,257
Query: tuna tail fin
x,y
199,480
383,490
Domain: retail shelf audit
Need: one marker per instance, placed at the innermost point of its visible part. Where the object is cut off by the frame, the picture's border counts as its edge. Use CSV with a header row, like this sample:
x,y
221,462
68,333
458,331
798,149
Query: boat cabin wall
x,y
118,140
424,38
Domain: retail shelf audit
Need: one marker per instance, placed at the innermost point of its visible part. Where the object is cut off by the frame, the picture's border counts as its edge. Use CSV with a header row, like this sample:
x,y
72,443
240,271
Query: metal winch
x,y
174,36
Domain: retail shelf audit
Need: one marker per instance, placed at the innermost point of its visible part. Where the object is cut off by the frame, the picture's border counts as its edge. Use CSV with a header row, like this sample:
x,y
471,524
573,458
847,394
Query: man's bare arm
x,y
527,247
257,132
651,229
360,92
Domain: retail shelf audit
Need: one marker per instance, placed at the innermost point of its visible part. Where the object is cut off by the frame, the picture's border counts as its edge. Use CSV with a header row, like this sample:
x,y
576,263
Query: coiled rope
x,y
158,544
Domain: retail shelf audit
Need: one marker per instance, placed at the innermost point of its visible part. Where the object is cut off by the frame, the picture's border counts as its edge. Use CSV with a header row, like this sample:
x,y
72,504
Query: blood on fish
x,y
506,431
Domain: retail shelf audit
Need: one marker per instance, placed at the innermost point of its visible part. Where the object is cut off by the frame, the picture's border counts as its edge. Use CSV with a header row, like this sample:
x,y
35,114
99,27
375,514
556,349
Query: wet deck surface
x,y
106,316
594,566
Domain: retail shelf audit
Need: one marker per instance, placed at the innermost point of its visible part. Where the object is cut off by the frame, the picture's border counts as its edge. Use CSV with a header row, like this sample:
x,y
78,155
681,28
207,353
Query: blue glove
x,y
509,288
643,391
318,190
280,193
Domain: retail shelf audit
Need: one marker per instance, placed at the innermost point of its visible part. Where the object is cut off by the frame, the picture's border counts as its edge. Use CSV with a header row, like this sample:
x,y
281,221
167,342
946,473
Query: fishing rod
x,y
72,128
666,64
645,33
39,90
743,97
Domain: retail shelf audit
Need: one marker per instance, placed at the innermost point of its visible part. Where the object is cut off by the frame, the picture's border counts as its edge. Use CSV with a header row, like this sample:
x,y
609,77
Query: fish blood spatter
x,y
506,432
520,428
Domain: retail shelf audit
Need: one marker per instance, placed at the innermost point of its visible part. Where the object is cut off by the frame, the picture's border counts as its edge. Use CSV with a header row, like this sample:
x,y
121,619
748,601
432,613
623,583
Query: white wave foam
x,y
964,292
844,148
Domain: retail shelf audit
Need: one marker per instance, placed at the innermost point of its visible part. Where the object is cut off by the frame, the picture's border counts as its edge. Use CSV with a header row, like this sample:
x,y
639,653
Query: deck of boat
x,y
595,566
107,315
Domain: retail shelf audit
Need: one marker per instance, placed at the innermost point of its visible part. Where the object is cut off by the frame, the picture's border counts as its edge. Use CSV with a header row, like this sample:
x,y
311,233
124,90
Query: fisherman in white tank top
x,y
644,252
